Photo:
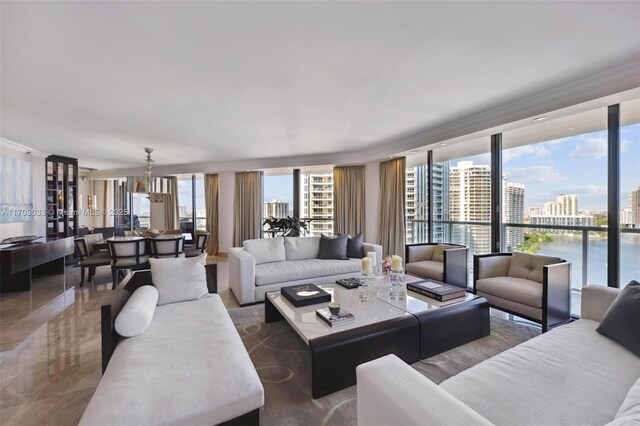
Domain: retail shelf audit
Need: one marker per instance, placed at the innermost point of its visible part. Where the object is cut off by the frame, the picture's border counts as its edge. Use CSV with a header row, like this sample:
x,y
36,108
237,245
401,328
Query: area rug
x,y
283,363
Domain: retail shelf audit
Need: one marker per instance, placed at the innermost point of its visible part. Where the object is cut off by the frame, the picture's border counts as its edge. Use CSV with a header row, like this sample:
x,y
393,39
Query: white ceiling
x,y
257,81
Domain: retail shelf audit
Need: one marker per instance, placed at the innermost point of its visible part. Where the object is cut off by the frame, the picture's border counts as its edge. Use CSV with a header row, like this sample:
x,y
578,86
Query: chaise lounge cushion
x,y
427,268
557,378
298,248
278,272
200,374
518,290
630,408
266,250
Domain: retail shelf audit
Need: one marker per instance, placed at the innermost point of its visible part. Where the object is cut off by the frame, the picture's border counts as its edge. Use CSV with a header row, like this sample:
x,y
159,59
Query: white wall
x,y
37,226
372,201
225,210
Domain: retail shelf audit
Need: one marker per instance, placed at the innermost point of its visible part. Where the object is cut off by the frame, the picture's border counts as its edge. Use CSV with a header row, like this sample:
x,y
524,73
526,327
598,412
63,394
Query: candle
x,y
366,265
372,255
396,263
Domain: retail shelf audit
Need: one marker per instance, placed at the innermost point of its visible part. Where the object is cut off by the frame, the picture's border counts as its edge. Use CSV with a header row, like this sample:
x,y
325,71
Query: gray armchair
x,y
441,262
534,287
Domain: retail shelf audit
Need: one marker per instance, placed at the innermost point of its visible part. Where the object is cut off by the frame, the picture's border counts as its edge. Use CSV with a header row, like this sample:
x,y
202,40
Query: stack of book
x,y
333,320
436,290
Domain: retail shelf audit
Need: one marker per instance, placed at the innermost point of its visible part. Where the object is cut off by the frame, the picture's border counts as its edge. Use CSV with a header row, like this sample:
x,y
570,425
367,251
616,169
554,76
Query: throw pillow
x,y
333,247
136,315
621,322
266,250
355,247
179,280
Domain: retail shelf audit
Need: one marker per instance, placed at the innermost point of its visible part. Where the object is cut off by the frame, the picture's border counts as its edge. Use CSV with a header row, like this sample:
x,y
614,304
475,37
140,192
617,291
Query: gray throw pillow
x,y
621,322
333,247
355,248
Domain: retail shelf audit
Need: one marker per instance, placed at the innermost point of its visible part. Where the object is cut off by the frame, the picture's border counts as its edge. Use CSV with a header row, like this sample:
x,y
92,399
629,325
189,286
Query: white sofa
x,y
189,367
571,375
264,265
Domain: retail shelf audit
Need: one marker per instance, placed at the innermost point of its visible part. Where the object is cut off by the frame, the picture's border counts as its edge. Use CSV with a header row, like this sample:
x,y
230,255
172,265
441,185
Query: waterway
x,y
570,248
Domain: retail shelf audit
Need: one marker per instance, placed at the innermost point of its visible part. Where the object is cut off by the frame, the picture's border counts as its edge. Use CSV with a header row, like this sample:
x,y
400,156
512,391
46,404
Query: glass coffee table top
x,y
305,322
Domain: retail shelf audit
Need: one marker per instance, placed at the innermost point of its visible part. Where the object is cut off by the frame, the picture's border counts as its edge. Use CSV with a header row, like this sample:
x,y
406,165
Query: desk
x,y
18,262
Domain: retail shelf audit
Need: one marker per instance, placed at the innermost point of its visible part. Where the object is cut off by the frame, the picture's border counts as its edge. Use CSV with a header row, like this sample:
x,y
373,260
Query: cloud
x,y
590,148
535,151
534,174
586,190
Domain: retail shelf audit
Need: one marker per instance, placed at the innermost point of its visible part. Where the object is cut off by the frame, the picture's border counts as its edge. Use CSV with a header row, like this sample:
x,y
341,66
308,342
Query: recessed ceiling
x,y
230,81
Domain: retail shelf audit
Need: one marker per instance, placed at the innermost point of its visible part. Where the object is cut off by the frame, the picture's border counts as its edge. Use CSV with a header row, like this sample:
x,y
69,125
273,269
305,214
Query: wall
x,y
225,210
38,226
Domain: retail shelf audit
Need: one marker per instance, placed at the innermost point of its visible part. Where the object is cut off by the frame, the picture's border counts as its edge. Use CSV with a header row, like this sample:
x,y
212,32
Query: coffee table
x,y
381,327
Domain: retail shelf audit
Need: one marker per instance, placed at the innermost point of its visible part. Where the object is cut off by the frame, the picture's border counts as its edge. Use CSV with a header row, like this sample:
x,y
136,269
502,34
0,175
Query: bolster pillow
x,y
136,315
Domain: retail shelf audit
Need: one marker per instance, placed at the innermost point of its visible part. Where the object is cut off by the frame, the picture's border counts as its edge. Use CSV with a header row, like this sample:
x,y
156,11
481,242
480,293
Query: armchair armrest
x,y
242,275
455,266
556,294
596,300
373,247
390,392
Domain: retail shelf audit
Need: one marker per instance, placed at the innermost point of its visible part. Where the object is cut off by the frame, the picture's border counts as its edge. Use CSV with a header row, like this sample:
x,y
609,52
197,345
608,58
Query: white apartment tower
x,y
316,200
275,209
635,207
513,211
470,200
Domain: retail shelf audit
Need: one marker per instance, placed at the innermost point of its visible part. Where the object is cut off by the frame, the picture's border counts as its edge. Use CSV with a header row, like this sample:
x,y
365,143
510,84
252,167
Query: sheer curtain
x,y
211,191
392,202
247,207
171,204
348,200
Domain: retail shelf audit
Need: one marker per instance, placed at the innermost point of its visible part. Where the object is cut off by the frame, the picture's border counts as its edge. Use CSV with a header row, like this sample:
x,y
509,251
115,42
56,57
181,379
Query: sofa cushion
x,y
280,272
426,269
630,408
179,279
300,248
355,247
416,253
189,367
518,290
621,322
438,253
136,315
333,247
563,376
266,250
529,266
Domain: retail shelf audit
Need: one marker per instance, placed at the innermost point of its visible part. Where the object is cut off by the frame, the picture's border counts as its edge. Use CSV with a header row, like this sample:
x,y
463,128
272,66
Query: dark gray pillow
x,y
355,248
621,322
333,247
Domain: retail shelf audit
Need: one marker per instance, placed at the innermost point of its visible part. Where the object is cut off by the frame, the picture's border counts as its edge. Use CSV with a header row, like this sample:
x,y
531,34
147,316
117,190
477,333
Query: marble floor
x,y
50,360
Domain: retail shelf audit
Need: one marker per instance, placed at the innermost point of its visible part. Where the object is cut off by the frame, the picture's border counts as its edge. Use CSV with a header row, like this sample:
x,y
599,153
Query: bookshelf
x,y
62,196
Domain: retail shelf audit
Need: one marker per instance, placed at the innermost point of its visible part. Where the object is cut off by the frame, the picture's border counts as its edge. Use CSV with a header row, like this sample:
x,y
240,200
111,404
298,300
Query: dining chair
x,y
167,246
86,260
200,246
128,253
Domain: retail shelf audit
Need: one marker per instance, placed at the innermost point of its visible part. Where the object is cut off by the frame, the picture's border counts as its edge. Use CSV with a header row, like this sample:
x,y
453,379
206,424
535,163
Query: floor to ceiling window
x,y
462,195
277,195
416,199
630,191
316,201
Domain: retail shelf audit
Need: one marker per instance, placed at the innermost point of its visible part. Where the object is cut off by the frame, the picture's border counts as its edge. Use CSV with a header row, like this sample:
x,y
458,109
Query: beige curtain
x,y
247,207
348,200
171,214
392,199
211,188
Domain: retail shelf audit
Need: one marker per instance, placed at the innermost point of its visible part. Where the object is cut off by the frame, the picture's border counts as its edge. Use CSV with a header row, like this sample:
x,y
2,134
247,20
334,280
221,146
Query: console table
x,y
18,262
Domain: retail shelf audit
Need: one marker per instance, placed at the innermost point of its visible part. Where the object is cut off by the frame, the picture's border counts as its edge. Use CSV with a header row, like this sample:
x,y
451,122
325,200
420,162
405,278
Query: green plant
x,y
286,226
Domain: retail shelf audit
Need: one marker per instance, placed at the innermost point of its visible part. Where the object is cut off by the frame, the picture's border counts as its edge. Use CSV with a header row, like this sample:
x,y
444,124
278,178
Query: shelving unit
x,y
62,196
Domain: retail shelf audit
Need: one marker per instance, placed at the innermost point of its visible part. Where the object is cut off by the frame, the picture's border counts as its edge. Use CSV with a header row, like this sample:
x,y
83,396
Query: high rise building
x,y
441,196
316,198
565,205
635,207
275,208
562,212
513,211
470,201
416,204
